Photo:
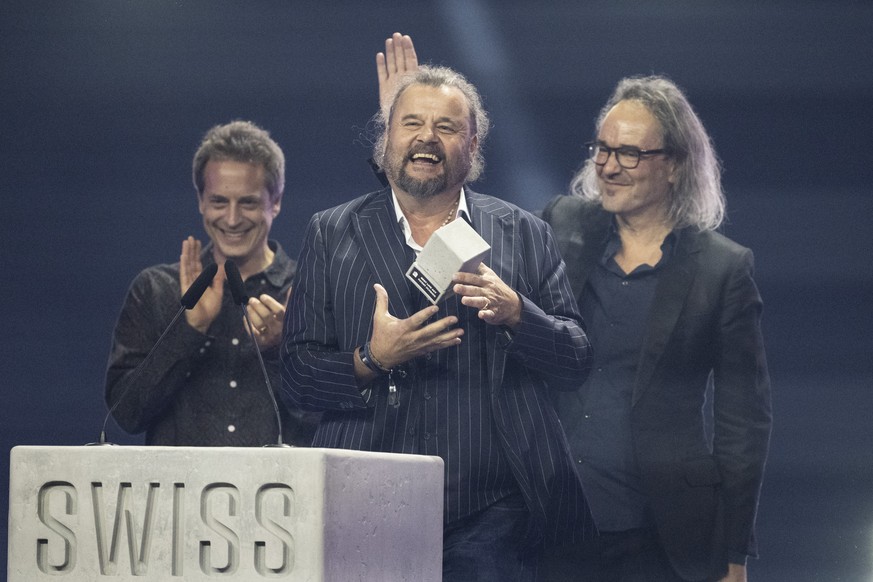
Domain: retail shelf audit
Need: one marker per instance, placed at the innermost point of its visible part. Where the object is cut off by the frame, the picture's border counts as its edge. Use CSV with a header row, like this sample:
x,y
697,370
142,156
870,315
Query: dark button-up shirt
x,y
198,389
615,309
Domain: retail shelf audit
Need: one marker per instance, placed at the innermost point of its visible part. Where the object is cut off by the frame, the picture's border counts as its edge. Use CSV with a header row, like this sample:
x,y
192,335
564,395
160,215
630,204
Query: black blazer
x,y
704,326
349,248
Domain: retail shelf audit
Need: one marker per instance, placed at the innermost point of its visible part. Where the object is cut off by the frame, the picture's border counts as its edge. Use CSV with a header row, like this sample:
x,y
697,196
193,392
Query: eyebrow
x,y
619,146
243,199
443,119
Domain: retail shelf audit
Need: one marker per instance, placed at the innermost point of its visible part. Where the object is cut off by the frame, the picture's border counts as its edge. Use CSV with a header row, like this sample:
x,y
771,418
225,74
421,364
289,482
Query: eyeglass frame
x,y
621,150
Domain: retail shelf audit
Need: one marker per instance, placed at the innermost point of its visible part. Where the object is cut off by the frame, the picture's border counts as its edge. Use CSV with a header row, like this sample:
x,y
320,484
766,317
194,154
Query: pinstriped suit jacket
x,y
352,246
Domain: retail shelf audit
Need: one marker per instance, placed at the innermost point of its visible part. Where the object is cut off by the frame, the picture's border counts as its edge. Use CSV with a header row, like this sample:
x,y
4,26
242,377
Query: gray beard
x,y
395,169
421,189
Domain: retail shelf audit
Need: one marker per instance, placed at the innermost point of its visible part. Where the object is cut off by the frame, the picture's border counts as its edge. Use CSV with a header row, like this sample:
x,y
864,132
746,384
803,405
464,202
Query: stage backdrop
x,y
103,102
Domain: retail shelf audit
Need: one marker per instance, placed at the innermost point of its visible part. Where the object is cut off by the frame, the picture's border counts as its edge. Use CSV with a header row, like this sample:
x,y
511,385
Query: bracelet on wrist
x,y
370,362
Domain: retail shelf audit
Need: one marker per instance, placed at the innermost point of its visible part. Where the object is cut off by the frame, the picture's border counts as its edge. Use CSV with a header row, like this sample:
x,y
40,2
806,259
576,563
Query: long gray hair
x,y
433,76
697,198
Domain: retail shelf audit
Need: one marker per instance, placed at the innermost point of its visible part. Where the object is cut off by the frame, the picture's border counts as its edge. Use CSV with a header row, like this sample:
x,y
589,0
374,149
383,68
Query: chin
x,y
234,252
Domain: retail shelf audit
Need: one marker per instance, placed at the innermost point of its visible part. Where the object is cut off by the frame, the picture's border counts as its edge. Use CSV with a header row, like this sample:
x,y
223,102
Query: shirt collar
x,y
613,244
462,210
276,273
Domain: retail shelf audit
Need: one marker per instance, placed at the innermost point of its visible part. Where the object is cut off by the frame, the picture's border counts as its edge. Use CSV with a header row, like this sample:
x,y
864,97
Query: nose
x,y
426,133
611,167
233,215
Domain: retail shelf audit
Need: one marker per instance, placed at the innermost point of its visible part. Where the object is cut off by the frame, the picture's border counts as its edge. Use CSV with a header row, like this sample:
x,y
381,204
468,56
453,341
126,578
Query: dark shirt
x,y
615,309
198,390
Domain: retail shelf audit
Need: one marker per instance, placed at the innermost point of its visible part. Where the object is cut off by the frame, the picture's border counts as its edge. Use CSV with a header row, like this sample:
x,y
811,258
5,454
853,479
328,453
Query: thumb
x,y
381,300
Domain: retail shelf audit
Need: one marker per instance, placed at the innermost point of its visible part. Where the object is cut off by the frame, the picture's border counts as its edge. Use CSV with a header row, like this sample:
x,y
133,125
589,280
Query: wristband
x,y
370,362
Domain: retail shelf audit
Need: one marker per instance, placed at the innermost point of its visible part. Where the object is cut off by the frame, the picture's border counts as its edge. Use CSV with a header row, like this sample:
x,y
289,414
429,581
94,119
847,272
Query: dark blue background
x,y
102,104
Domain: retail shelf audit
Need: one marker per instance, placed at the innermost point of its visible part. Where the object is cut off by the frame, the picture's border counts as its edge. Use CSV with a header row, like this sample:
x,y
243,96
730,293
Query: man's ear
x,y
674,172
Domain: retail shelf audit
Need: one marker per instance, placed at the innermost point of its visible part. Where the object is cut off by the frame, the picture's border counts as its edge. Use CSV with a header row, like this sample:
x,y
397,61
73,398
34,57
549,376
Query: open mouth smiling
x,y
425,157
234,235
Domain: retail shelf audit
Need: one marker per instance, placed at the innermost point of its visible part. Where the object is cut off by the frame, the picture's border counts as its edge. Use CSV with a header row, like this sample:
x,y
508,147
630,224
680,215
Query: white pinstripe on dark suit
x,y
352,246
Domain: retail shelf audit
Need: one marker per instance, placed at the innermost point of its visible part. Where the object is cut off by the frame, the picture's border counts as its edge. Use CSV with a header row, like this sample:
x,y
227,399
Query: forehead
x,y
231,176
630,123
427,101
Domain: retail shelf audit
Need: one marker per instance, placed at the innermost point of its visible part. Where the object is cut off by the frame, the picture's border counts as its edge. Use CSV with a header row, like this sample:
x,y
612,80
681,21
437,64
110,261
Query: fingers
x,y
399,58
189,262
267,317
381,72
391,57
265,308
410,59
442,332
498,304
400,54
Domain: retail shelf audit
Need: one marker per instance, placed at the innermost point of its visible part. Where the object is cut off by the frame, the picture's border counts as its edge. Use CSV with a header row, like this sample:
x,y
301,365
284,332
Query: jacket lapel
x,y
494,223
580,229
380,237
670,294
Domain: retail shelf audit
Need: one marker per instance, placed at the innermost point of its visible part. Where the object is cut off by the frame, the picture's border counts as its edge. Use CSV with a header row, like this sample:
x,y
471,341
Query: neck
x,y
426,216
429,210
643,229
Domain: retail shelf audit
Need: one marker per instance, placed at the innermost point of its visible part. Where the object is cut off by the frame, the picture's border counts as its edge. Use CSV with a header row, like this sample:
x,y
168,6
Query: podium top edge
x,y
297,451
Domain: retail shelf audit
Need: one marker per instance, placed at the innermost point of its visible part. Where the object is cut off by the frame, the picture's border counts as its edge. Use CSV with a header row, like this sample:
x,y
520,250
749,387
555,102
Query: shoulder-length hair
x,y
697,198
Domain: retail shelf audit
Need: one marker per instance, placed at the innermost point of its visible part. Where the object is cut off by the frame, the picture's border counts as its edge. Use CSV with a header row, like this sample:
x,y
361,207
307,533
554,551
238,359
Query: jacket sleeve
x,y
139,397
741,405
316,374
550,339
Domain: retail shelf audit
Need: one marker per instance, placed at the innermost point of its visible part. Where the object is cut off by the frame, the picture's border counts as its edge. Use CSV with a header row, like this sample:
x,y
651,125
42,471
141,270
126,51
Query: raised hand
x,y
399,58
207,309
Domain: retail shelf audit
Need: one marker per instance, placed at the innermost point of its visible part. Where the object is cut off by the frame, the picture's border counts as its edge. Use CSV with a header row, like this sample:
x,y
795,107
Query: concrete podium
x,y
185,513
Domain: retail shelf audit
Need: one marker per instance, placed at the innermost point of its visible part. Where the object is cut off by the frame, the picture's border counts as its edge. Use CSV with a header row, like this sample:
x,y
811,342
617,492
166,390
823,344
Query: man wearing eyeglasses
x,y
671,308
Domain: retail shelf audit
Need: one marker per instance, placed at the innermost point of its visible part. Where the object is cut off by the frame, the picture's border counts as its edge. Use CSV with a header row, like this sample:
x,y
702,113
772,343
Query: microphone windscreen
x,y
234,280
195,291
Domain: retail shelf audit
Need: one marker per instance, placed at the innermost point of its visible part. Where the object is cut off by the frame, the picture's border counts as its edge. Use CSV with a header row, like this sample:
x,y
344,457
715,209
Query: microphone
x,y
188,301
235,282
198,287
240,297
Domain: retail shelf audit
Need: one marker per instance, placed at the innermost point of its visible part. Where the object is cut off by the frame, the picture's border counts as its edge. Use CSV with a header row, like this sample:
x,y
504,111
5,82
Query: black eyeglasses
x,y
628,157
